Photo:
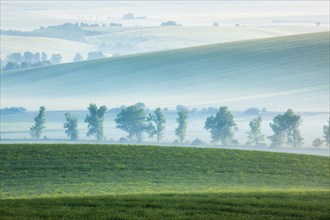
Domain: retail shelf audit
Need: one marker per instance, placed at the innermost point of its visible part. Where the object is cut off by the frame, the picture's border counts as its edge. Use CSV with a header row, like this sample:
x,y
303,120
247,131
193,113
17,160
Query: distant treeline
x,y
12,110
69,31
137,122
28,59
16,61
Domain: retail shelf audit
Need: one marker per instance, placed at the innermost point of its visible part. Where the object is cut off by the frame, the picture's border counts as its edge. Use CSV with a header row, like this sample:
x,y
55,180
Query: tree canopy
x,y
255,137
156,124
39,123
132,120
286,129
326,133
221,126
95,121
182,121
71,126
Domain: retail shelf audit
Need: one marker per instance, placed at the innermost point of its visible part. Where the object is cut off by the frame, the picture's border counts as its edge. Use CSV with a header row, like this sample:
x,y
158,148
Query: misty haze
x,y
165,110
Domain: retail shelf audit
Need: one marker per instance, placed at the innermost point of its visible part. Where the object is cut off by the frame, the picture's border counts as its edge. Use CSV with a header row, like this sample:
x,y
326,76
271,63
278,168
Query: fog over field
x,y
262,54
158,109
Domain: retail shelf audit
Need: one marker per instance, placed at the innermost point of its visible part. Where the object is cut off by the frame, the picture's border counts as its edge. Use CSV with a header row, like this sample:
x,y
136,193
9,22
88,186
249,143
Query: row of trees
x,y
28,59
134,120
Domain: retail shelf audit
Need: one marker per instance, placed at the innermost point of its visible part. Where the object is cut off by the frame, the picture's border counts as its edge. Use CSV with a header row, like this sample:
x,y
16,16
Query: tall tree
x,y
221,126
326,133
95,121
71,126
39,123
182,121
156,125
132,119
255,136
286,128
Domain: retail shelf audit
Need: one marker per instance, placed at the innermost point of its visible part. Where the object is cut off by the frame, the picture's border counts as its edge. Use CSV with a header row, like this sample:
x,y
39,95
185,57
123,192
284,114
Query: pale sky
x,y
28,15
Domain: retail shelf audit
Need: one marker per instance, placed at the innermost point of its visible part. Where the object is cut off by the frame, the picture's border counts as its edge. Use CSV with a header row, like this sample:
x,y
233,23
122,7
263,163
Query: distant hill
x,y
121,40
275,73
128,40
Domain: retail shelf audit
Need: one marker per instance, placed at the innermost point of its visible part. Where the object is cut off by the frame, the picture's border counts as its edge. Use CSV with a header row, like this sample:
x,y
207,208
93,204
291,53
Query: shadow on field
x,y
271,205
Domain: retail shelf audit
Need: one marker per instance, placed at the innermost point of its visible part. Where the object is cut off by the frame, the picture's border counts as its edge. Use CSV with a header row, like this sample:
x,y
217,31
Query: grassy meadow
x,y
69,181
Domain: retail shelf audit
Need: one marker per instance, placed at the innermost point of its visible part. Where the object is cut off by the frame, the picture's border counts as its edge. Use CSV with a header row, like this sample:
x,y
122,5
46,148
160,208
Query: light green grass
x,y
41,181
68,181
75,170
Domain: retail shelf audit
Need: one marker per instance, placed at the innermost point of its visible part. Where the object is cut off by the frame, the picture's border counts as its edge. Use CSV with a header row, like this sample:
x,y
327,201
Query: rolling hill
x,y
131,40
146,39
47,181
276,73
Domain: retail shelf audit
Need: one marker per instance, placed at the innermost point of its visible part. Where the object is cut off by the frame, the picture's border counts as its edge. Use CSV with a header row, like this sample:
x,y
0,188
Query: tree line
x,y
16,61
28,59
135,122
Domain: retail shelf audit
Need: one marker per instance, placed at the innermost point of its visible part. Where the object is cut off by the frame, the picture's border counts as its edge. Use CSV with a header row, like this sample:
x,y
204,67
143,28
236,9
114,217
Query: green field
x,y
67,181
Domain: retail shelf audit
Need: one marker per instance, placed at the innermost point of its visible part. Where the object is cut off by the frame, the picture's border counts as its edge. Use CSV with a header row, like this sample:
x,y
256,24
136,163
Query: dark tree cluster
x,y
12,110
95,55
28,59
170,23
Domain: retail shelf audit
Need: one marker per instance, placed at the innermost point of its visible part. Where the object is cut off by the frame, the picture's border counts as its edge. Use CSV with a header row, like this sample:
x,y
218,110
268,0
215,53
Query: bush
x,y
197,142
175,142
170,23
123,140
252,111
317,142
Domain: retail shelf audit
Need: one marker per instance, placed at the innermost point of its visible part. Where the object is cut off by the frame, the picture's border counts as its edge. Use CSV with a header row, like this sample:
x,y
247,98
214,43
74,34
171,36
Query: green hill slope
x,y
79,170
240,73
146,182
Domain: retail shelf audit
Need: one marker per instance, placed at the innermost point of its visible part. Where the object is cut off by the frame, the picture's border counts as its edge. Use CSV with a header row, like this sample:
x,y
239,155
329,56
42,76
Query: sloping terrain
x,y
146,39
56,170
275,73
130,40
46,181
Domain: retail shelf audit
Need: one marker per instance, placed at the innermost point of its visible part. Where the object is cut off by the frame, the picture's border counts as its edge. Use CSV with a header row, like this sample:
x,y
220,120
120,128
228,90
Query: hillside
x,y
129,40
125,40
102,181
276,73
53,170
146,182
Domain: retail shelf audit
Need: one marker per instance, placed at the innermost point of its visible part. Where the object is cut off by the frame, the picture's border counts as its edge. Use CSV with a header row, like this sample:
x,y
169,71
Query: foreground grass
x,y
48,170
272,205
58,181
